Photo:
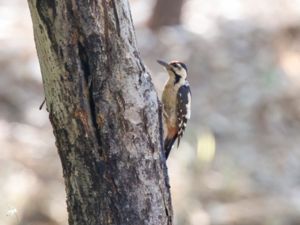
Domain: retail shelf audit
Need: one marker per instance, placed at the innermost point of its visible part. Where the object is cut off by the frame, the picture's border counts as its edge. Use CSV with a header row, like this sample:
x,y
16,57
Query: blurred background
x,y
238,163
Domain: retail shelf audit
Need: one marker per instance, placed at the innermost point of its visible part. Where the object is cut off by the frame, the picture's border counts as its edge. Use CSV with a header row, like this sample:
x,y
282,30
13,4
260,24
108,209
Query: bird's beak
x,y
164,64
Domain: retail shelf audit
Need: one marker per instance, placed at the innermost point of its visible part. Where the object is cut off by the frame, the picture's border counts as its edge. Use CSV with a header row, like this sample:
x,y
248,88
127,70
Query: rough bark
x,y
104,112
166,13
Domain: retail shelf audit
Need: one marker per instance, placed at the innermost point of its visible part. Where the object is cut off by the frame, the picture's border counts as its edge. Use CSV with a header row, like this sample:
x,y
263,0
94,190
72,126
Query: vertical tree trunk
x,y
166,13
104,112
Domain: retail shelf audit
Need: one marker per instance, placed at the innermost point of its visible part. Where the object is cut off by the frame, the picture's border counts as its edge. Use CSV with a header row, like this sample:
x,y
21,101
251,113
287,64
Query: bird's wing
x,y
183,109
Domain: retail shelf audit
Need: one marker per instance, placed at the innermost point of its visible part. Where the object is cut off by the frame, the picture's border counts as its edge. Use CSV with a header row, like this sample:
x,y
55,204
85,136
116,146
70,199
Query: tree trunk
x,y
166,13
104,111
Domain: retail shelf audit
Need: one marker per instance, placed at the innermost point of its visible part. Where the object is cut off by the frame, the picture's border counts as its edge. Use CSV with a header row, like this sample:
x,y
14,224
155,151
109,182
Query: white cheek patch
x,y
188,106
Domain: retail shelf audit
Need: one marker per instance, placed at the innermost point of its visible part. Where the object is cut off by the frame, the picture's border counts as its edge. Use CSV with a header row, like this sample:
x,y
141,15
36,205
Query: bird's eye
x,y
177,66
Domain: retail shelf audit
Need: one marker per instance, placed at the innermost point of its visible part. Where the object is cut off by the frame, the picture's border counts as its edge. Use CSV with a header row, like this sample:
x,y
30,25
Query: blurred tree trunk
x,y
166,13
104,112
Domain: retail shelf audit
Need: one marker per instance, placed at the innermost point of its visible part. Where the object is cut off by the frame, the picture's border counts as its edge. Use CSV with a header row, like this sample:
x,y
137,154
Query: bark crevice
x,y
116,17
84,62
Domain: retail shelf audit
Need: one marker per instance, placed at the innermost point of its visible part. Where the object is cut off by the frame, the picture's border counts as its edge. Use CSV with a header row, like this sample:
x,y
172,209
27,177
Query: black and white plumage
x,y
176,101
183,108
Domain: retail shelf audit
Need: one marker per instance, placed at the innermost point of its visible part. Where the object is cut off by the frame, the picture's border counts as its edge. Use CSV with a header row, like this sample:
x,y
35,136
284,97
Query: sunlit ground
x,y
238,162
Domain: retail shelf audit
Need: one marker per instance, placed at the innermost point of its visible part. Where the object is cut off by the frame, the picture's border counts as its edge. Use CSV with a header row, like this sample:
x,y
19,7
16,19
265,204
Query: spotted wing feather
x,y
183,109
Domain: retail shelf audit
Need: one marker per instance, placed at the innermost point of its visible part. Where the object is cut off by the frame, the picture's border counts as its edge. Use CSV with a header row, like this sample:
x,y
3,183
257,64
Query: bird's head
x,y
175,68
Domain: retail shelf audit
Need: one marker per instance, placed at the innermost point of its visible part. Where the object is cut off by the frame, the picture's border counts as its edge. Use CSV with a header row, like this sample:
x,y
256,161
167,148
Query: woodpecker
x,y
176,100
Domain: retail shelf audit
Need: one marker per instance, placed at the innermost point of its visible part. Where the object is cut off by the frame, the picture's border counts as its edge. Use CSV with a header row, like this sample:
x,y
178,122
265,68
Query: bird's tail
x,y
169,142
